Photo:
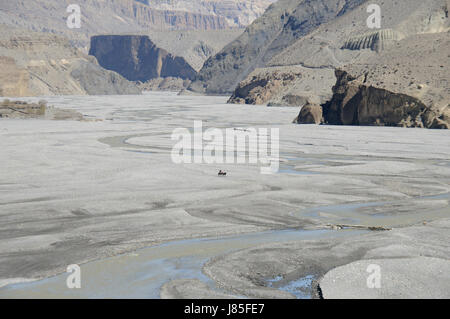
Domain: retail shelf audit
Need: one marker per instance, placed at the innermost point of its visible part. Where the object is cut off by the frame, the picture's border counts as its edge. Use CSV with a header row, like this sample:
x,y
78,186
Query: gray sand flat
x,y
75,191
187,288
414,263
419,277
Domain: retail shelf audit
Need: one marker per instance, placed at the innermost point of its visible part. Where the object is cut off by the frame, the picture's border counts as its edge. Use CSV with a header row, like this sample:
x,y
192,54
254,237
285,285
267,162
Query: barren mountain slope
x,y
238,13
345,40
282,23
101,16
195,46
44,64
335,43
311,40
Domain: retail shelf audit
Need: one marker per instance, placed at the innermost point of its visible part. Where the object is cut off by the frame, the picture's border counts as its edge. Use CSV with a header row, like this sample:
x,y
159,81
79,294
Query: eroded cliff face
x,y
137,58
355,102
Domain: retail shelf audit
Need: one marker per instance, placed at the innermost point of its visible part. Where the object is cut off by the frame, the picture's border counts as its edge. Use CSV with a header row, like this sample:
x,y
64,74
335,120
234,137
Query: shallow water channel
x,y
142,273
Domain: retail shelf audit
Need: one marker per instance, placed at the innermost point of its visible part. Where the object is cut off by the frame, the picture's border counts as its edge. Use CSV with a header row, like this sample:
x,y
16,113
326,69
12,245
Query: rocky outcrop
x,y
405,85
137,58
284,86
310,114
260,89
356,103
43,64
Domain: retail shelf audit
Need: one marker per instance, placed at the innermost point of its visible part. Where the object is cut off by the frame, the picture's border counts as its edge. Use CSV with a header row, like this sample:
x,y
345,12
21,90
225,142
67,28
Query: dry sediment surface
x,y
77,191
415,277
413,263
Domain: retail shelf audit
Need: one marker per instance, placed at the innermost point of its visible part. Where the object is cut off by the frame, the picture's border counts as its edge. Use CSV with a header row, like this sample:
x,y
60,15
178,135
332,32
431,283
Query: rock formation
x,y
259,89
137,58
284,86
310,114
357,103
405,85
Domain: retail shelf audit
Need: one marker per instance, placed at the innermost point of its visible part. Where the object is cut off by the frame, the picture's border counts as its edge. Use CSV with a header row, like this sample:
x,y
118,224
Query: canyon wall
x,y
137,58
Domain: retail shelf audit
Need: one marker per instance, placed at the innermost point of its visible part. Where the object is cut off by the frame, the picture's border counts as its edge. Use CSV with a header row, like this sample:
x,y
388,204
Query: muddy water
x,y
142,273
